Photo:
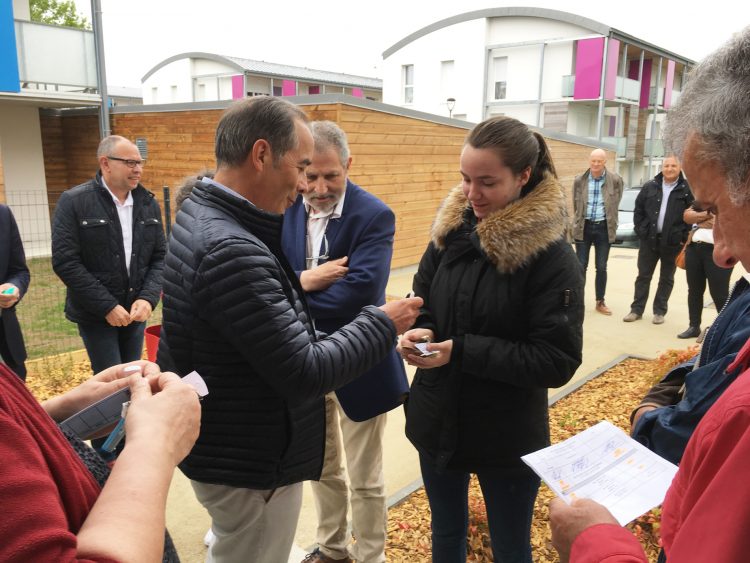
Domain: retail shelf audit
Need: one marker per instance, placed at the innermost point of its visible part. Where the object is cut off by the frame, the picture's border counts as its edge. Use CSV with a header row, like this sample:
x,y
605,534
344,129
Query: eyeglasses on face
x,y
128,162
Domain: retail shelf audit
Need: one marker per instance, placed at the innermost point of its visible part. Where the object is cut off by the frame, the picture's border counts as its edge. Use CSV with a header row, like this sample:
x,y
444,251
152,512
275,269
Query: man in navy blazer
x,y
14,281
339,240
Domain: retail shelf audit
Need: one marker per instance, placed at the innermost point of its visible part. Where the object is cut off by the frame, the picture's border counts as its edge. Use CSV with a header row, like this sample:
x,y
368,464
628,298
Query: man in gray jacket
x,y
596,197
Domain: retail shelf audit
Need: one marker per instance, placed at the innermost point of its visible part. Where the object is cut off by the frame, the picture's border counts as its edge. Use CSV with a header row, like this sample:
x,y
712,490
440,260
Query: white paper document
x,y
605,465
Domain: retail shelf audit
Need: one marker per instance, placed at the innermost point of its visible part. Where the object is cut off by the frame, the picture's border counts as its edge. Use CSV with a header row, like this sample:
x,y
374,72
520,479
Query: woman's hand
x,y
408,351
99,386
164,412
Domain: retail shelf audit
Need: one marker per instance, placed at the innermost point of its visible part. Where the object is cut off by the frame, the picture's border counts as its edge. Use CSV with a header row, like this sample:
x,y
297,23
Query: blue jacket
x,y
364,233
666,430
13,270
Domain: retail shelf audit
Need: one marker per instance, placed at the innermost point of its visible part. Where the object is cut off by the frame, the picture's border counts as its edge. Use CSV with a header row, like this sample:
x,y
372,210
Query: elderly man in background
x,y
705,513
596,198
339,239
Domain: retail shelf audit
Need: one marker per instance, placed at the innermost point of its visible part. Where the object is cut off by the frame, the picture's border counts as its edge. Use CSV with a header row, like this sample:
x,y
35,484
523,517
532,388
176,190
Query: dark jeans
x,y
699,268
510,507
647,260
596,234
109,345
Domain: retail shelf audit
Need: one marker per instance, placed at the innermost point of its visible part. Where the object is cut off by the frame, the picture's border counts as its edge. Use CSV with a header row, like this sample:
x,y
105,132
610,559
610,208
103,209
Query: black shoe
x,y
691,332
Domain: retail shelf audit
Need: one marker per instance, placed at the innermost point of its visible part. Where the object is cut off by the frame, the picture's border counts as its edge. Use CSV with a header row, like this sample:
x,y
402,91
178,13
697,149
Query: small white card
x,y
605,465
422,347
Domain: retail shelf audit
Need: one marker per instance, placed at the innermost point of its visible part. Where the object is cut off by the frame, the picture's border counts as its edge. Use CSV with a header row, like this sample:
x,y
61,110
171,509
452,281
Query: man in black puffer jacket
x,y
108,249
234,311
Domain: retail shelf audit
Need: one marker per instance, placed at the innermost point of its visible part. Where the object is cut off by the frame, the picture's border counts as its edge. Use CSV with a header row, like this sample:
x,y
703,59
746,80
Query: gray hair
x,y
108,144
248,120
329,135
713,112
186,188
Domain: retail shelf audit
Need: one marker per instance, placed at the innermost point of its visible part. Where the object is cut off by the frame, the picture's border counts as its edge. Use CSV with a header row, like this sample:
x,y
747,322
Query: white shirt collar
x,y
128,200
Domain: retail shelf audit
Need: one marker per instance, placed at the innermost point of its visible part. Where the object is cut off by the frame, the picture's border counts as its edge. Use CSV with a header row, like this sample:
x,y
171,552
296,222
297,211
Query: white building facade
x,y
547,68
203,77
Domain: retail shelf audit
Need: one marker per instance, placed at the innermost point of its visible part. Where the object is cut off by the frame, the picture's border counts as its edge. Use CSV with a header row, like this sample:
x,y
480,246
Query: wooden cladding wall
x,y
409,163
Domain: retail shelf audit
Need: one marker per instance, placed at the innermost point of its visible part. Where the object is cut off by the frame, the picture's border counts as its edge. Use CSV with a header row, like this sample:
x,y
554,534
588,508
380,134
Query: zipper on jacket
x,y
566,298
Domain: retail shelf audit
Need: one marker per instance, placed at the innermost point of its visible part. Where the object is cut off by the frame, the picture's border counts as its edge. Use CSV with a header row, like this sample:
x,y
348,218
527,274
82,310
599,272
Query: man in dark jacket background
x,y
661,230
108,249
14,281
234,311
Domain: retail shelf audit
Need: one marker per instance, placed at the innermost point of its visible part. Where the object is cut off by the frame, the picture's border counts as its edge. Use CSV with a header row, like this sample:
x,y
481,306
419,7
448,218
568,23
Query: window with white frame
x,y
500,77
407,79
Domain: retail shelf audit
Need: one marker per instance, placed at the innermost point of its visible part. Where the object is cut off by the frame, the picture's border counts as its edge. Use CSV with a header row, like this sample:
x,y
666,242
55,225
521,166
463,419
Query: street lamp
x,y
451,103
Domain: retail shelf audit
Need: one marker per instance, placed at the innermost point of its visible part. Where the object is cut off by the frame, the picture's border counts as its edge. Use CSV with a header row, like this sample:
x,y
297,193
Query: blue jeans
x,y
596,234
510,507
109,345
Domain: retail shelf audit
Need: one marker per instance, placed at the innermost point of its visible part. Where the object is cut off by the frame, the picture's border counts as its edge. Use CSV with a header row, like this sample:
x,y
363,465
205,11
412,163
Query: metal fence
x,y
46,330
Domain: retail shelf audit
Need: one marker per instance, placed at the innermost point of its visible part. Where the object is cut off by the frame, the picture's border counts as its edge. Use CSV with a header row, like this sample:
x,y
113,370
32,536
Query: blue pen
x,y
118,433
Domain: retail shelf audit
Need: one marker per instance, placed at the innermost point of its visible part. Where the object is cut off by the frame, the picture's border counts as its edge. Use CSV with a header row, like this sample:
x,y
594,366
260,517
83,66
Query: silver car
x,y
625,227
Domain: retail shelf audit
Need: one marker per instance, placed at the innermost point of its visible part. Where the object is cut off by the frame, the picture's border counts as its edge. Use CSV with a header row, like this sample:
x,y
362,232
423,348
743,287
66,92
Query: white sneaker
x,y
209,538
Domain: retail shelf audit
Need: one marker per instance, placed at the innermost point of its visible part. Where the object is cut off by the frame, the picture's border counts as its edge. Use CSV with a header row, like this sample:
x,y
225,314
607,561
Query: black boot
x,y
690,332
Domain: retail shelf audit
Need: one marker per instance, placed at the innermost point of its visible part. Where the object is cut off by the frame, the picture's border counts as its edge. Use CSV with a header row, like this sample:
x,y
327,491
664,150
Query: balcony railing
x,y
620,142
627,89
653,147
568,85
55,58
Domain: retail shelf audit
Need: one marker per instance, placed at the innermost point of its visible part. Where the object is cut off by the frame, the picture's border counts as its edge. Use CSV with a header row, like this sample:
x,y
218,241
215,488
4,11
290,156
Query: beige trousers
x,y
362,443
250,525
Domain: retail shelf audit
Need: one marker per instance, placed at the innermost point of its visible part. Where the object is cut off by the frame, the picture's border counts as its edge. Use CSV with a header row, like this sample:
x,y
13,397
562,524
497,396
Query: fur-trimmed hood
x,y
512,236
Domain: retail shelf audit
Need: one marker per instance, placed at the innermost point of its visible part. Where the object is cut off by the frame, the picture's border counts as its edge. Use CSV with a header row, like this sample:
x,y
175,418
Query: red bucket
x,y
152,341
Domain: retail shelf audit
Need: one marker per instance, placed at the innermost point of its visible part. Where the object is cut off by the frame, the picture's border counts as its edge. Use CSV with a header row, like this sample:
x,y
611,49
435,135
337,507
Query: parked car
x,y
625,235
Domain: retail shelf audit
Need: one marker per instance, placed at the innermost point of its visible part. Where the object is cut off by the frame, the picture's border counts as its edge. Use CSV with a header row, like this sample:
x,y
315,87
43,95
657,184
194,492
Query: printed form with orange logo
x,y
605,465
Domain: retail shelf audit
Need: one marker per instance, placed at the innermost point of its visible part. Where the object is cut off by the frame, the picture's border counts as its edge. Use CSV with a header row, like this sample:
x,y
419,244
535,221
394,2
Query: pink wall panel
x,y
288,88
358,93
610,82
669,85
645,83
238,86
589,55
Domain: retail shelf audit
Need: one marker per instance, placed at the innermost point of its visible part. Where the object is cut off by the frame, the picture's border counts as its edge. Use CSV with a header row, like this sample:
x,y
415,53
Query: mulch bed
x,y
611,396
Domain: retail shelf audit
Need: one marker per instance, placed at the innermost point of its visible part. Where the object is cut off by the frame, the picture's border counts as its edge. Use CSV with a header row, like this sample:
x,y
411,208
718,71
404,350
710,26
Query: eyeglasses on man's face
x,y
128,162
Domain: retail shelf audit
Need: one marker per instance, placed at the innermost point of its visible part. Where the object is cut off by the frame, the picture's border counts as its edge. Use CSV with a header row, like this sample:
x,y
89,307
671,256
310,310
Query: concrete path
x,y
605,338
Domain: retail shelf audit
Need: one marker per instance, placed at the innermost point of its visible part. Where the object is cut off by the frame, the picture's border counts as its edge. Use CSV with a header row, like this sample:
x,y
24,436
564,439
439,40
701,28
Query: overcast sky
x,y
350,36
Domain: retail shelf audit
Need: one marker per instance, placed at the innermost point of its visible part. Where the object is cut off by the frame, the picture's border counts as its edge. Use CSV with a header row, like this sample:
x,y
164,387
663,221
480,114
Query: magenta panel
x,y
613,56
358,93
238,86
645,83
288,88
669,85
589,55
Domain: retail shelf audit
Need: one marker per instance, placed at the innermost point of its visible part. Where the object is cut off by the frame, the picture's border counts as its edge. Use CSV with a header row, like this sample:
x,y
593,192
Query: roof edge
x,y
517,11
192,55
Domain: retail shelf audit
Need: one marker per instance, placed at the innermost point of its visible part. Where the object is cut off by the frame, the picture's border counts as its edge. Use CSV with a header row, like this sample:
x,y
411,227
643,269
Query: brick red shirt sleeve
x,y
607,543
45,490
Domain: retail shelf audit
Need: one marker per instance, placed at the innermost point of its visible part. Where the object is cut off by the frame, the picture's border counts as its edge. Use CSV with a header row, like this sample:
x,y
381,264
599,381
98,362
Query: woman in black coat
x,y
503,312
